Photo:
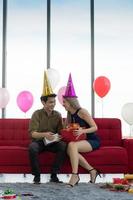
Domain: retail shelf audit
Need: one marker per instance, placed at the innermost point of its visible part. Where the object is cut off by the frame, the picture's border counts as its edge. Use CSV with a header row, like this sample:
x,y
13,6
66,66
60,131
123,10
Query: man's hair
x,y
45,98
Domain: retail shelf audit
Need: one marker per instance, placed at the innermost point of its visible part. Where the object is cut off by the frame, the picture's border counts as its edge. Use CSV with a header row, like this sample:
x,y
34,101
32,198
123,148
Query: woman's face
x,y
66,104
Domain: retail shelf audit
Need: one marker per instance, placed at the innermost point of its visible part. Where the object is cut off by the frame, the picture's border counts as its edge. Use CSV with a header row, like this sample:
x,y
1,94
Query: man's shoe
x,y
36,180
55,179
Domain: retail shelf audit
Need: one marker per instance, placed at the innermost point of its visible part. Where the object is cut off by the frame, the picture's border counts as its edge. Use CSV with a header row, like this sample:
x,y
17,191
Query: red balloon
x,y
101,86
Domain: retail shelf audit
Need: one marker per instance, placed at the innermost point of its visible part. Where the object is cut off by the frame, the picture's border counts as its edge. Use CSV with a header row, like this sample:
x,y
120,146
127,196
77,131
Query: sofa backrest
x,y
15,131
109,131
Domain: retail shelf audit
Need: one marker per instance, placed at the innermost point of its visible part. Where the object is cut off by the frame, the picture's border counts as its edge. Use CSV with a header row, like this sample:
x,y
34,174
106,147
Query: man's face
x,y
50,104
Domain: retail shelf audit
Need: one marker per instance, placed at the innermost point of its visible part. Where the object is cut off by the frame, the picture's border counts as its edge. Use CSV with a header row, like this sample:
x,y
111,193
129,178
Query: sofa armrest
x,y
128,144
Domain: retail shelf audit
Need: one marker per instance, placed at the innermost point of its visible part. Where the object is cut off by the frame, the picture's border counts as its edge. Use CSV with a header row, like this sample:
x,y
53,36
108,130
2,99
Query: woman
x,y
79,115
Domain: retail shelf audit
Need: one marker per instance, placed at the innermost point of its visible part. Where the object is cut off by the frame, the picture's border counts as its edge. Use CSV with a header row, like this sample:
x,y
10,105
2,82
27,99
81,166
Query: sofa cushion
x,y
109,131
14,156
112,155
14,132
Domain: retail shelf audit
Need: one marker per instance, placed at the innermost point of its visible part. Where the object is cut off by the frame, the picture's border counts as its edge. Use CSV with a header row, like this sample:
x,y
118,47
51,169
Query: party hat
x,y
47,89
70,92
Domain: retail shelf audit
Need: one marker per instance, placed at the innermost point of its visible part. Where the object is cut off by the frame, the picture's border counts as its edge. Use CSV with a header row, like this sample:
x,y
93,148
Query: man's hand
x,y
50,136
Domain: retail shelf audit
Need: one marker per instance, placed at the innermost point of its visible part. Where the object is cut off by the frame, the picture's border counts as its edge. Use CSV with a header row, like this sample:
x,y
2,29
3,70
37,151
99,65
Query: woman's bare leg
x,y
76,158
73,155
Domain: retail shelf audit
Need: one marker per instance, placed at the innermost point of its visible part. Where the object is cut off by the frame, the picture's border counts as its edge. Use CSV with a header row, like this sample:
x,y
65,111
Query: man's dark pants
x,y
37,147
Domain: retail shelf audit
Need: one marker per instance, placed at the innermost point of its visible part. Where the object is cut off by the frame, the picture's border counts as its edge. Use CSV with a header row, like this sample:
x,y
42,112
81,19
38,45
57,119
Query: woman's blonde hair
x,y
74,103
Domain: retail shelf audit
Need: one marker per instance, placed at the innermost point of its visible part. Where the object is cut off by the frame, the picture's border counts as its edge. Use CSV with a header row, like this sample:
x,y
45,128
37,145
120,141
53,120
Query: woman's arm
x,y
84,114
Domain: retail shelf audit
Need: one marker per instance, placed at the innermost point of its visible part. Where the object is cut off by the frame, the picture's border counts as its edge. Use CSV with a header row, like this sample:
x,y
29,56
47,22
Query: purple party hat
x,y
70,92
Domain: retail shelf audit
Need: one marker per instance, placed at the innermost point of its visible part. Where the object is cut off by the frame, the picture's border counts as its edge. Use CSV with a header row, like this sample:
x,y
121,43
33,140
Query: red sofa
x,y
114,156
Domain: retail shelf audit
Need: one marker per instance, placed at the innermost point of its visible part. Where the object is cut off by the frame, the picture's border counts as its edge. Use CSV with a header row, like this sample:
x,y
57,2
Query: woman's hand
x,y
79,132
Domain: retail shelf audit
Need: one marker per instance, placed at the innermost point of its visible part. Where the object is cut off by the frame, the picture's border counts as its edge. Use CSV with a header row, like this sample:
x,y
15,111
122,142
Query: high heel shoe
x,y
73,180
93,177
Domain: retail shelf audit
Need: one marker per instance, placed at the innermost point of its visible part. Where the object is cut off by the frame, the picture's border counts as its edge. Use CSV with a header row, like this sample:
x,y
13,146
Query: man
x,y
43,125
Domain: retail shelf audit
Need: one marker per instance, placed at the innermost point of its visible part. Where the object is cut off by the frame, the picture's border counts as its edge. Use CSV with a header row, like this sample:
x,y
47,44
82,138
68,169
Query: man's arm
x,y
42,135
39,135
60,124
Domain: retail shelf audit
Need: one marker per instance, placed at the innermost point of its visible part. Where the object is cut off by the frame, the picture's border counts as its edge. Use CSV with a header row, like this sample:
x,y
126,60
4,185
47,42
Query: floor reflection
x,y
13,178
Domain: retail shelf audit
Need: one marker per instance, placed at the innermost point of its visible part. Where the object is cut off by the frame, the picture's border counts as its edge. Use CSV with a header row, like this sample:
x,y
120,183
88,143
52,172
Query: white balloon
x,y
4,97
127,113
53,76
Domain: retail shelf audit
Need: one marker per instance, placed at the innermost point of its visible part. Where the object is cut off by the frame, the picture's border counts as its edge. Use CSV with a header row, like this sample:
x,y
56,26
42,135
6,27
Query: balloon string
x,y
131,130
102,106
25,115
25,121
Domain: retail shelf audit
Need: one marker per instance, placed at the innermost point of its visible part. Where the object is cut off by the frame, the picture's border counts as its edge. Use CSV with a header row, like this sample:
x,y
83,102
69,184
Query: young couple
x,y
46,122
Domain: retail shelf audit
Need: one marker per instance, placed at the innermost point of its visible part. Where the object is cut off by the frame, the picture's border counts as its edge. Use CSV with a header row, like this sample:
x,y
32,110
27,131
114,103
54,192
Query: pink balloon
x,y
24,100
4,97
61,92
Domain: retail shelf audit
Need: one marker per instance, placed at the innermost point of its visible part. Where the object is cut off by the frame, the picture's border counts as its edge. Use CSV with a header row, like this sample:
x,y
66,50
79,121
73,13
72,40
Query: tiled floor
x,y
13,178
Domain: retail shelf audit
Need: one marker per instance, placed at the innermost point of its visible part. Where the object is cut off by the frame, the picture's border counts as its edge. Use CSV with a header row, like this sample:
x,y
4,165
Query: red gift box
x,y
9,196
68,133
120,181
117,180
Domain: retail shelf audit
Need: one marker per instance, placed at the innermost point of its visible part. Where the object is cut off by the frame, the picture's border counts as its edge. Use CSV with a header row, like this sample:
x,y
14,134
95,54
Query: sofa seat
x,y
109,159
13,155
113,155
